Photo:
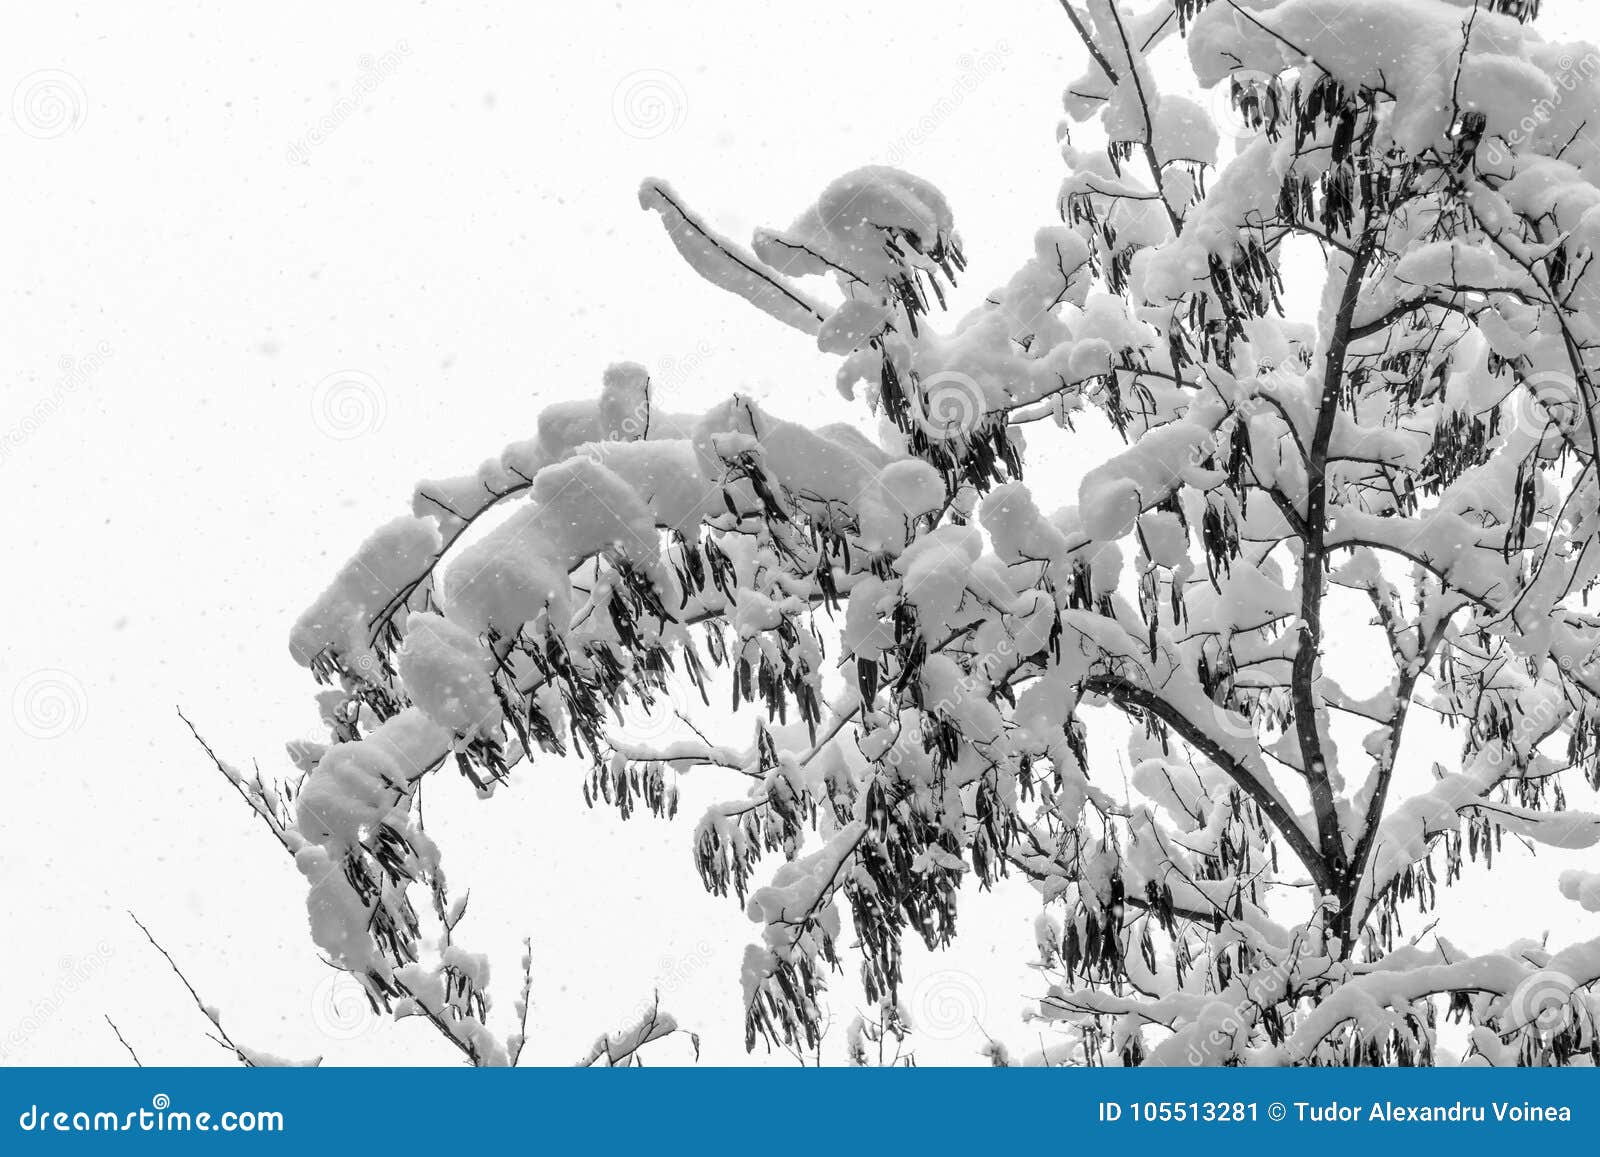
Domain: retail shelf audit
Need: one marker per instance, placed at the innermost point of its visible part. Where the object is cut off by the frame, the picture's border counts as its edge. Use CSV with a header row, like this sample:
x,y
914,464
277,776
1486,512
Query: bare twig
x,y
220,1035
123,1041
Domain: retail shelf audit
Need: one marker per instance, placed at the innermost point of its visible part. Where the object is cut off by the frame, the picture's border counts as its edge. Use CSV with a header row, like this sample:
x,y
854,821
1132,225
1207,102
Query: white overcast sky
x,y
191,252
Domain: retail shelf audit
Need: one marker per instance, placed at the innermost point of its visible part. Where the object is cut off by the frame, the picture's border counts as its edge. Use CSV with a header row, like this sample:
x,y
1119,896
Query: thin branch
x,y
123,1041
206,1010
527,996
1088,41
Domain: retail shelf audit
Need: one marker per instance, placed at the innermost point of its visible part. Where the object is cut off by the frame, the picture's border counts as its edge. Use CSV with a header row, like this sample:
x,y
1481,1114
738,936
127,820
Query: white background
x,y
469,239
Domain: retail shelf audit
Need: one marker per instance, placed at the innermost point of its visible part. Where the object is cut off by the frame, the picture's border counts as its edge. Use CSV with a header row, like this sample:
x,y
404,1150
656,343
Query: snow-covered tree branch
x,y
937,672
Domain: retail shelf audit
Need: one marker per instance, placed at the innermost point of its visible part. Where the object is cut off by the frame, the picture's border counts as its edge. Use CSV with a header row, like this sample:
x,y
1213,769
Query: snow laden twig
x,y
621,1049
